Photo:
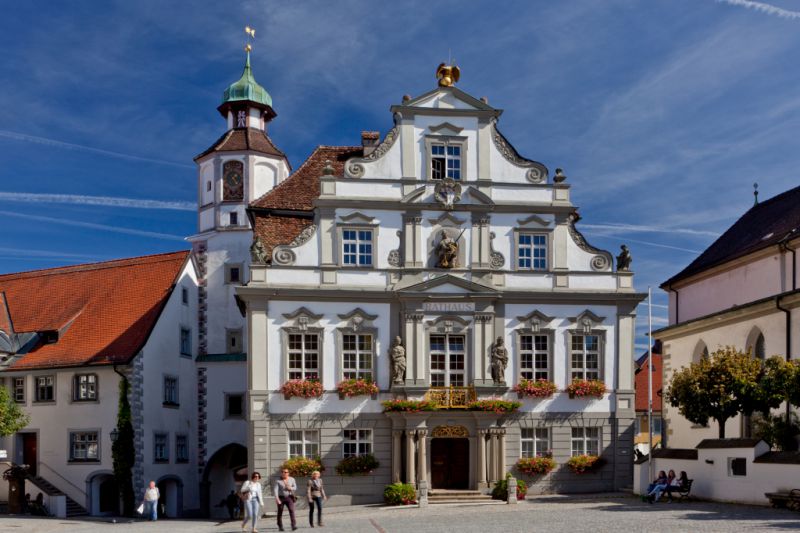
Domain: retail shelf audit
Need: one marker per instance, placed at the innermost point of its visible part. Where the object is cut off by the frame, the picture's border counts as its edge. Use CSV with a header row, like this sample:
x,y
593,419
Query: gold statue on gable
x,y
447,75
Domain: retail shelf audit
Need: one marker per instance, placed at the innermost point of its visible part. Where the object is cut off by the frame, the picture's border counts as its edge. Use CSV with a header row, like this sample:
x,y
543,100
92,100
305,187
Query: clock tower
x,y
241,166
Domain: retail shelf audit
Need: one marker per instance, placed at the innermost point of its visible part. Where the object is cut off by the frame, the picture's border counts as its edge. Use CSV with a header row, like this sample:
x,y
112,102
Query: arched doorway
x,y
224,472
170,504
102,494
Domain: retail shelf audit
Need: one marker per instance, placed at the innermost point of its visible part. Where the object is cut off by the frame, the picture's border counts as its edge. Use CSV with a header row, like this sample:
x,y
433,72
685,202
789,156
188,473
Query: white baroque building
x,y
347,255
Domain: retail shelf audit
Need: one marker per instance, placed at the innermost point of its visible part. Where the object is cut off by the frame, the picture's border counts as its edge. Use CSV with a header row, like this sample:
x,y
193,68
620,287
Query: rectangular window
x,y
85,387
171,391
234,405
357,357
585,357
233,274
181,449
585,441
234,341
234,218
357,442
303,356
535,442
83,446
534,356
532,251
445,161
737,466
160,448
19,390
45,388
186,341
303,443
184,296
447,360
357,247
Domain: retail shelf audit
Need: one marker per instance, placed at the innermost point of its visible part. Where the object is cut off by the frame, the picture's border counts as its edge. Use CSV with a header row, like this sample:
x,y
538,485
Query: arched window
x,y
756,344
700,351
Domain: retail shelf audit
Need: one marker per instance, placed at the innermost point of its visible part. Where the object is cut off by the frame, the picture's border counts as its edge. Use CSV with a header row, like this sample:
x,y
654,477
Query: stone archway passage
x,y
224,472
450,463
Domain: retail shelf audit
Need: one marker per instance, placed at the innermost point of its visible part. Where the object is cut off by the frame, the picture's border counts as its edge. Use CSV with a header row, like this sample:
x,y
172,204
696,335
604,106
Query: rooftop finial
x,y
755,193
447,74
251,34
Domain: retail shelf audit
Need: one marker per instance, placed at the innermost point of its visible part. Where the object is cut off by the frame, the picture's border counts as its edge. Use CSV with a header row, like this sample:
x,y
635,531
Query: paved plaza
x,y
553,514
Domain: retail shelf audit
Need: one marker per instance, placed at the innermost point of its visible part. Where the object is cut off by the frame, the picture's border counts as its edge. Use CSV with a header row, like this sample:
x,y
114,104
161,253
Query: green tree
x,y
12,418
774,385
719,387
123,452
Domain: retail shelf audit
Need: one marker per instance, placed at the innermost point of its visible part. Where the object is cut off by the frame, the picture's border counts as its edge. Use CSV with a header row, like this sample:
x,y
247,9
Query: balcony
x,y
451,397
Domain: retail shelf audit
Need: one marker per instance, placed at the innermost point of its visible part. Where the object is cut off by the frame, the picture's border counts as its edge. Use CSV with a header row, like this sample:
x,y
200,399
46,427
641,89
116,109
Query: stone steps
x,y
459,496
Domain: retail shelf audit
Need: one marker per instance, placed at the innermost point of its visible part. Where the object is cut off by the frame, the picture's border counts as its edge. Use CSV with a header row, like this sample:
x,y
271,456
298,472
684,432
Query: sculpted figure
x,y
499,361
624,259
397,355
448,251
257,252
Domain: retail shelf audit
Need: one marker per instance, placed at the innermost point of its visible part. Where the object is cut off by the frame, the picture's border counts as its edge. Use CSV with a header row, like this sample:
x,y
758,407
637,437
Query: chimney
x,y
370,140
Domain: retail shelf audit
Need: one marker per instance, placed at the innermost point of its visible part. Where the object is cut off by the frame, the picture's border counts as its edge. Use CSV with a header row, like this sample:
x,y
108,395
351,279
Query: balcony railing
x,y
451,397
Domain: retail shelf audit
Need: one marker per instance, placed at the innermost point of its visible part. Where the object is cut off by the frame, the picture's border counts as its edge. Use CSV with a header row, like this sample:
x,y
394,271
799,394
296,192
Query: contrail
x,y
647,229
92,225
648,243
769,9
96,200
71,146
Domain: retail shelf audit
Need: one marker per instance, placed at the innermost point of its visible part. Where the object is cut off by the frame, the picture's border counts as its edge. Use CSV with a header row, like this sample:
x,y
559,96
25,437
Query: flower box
x,y
584,388
357,387
302,388
581,464
408,406
303,466
536,466
540,388
494,405
357,465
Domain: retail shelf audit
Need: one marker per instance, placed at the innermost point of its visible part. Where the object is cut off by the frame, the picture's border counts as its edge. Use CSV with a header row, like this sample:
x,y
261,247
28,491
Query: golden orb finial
x,y
251,34
447,74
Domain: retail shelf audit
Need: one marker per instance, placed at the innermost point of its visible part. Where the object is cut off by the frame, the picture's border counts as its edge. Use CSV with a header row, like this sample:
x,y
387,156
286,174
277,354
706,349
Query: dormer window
x,y
357,247
445,161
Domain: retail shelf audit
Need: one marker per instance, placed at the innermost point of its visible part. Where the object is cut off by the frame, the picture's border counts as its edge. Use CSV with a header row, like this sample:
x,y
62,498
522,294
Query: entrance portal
x,y
450,463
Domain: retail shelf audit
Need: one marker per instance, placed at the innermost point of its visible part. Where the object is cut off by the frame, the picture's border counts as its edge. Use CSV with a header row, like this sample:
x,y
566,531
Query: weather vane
x,y
251,32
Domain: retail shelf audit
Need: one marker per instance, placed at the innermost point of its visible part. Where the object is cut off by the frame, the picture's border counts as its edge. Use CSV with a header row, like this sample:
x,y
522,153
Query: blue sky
x,y
662,112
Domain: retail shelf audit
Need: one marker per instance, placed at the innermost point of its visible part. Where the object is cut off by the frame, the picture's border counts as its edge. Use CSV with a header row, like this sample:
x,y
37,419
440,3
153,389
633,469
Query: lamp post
x,y
114,435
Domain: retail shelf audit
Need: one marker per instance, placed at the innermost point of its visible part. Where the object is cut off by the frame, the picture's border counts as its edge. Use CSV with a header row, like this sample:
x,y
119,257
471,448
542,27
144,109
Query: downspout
x,y
677,303
785,247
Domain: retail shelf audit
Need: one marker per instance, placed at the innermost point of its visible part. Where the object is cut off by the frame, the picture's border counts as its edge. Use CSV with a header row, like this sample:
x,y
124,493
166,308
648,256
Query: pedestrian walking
x,y
151,497
315,493
285,496
253,500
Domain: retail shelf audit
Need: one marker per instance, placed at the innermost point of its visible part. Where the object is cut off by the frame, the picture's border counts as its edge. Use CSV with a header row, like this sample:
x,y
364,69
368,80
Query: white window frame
x,y
307,440
90,388
179,457
364,358
168,399
18,389
535,442
356,442
534,371
88,440
358,242
583,371
156,437
448,142
533,247
450,370
303,371
38,388
586,441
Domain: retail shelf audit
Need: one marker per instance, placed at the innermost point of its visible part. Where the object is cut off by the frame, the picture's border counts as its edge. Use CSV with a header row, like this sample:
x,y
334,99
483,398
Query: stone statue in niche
x,y
624,259
397,354
258,253
499,362
448,251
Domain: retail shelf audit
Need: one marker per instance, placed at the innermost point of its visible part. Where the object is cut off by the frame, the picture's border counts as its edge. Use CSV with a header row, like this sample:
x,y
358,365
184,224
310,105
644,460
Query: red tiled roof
x,y
298,191
274,230
103,311
241,139
640,384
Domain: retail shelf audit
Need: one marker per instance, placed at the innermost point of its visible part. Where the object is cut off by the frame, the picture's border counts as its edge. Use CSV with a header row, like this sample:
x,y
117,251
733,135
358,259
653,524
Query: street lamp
x,y
114,435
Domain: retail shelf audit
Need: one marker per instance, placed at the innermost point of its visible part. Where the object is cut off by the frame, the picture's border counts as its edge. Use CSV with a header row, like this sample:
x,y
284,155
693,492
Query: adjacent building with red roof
x,y
642,438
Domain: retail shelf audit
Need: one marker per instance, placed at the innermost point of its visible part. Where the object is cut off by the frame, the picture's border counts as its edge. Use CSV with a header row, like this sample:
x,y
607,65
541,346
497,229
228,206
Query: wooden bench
x,y
789,499
685,490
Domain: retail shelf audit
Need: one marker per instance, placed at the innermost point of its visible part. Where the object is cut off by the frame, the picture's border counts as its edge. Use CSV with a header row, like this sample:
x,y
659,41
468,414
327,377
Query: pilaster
x,y
410,459
422,447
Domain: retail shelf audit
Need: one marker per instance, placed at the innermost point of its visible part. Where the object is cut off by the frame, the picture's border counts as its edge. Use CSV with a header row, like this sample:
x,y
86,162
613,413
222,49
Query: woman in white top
x,y
253,500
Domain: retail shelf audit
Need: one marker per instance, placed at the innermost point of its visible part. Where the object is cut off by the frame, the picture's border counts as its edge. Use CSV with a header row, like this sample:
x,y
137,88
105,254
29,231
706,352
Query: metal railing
x,y
451,397
52,470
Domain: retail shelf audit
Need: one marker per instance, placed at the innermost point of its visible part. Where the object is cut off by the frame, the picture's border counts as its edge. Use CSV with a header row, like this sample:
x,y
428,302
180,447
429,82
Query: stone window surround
x,y
452,325
165,435
36,399
75,388
601,349
585,440
358,322
356,221
302,321
546,331
533,225
227,415
165,401
315,440
447,140
70,457
534,439
178,458
358,440
18,384
228,279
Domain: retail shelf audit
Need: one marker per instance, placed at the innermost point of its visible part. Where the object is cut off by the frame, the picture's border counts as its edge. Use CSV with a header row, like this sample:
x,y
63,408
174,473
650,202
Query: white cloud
x,y
111,201
769,9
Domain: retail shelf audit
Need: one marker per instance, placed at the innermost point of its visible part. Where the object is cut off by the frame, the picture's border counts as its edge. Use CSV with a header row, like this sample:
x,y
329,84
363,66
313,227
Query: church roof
x,y
240,139
91,314
281,214
247,89
765,224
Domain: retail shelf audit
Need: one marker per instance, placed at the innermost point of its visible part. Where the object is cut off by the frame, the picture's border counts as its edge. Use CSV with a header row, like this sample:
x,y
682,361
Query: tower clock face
x,y
232,182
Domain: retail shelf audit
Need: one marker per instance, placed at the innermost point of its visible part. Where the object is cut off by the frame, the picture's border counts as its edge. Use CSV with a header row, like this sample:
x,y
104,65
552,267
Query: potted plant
x,y
583,388
399,494
494,405
408,406
535,388
303,466
302,388
357,387
536,466
357,465
581,464
500,490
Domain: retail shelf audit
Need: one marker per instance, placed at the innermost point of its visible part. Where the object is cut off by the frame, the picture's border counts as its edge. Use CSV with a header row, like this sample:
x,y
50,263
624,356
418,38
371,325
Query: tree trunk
x,y
722,427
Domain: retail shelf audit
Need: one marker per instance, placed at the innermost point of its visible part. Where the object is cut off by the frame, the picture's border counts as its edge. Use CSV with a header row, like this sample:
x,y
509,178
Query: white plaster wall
x,y
363,188
361,278
206,173
330,321
224,215
222,378
266,176
207,219
505,172
593,282
470,131
287,277
538,195
387,166
528,281
327,403
162,357
581,261
222,311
